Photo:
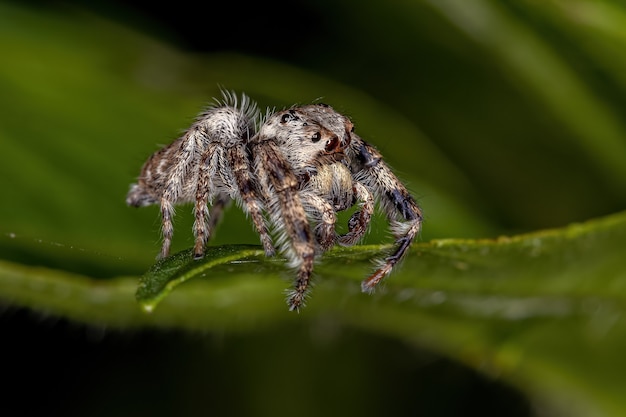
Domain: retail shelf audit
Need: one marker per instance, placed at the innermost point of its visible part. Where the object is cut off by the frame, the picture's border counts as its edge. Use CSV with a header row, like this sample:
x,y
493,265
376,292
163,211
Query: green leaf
x,y
168,273
543,310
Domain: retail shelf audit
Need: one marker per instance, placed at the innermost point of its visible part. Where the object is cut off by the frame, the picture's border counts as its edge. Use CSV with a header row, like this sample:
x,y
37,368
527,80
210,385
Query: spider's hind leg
x,y
167,227
204,231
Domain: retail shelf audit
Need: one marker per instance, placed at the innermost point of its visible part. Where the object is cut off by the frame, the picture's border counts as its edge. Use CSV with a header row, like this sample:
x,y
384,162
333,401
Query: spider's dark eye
x,y
323,104
352,129
316,137
287,117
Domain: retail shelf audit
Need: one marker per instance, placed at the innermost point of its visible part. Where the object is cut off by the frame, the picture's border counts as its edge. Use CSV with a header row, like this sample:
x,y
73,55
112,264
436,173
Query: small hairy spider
x,y
301,167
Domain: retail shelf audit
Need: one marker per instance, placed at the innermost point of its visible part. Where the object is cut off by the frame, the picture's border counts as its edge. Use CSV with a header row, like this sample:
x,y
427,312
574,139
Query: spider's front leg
x,y
403,213
288,214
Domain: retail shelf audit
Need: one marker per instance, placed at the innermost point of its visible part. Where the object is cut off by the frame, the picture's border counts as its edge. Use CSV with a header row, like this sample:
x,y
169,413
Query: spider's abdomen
x,y
226,125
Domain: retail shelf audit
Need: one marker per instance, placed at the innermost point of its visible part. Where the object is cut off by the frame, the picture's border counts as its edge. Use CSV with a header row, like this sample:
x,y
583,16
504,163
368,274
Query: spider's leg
x,y
287,213
360,220
251,203
182,153
167,228
211,219
325,217
404,215
204,223
216,211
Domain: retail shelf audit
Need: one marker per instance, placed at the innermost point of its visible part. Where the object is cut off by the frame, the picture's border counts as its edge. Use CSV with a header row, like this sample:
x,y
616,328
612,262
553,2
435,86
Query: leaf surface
x,y
543,310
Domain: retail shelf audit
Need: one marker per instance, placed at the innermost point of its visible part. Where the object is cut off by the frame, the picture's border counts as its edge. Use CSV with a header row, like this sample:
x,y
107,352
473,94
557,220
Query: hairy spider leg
x,y
290,219
204,223
216,211
249,195
183,160
237,172
167,228
403,213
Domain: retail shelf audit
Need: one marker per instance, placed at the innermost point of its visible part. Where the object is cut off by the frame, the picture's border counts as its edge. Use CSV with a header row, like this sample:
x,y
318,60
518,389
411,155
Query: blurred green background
x,y
501,116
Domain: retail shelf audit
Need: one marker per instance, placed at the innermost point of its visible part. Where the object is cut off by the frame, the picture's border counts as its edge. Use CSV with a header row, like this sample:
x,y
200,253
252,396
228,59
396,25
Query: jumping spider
x,y
303,166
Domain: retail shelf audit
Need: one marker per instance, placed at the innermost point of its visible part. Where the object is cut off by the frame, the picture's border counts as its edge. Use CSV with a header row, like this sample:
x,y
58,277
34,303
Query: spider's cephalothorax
x,y
303,166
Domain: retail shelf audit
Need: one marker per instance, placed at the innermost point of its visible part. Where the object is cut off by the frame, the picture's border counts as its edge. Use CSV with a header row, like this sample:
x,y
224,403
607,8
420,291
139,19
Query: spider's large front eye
x,y
332,145
316,137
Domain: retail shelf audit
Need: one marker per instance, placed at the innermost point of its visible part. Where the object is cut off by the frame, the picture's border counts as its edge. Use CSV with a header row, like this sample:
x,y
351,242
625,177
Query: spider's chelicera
x,y
293,174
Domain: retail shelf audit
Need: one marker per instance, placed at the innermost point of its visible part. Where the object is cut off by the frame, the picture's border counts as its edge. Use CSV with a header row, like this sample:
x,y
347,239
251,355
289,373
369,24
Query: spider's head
x,y
331,119
307,138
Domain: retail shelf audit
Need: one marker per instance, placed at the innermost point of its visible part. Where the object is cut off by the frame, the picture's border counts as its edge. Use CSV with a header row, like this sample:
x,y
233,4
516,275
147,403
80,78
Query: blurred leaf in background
x,y
501,116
